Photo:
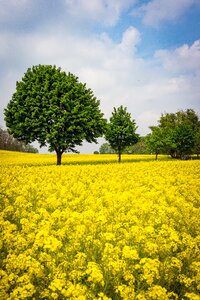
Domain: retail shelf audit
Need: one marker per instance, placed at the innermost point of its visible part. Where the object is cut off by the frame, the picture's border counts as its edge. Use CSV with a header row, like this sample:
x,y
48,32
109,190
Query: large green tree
x,y
121,130
55,109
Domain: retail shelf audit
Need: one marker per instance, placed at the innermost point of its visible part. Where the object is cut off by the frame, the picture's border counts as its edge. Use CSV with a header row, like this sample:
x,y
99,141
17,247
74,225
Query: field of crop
x,y
95,229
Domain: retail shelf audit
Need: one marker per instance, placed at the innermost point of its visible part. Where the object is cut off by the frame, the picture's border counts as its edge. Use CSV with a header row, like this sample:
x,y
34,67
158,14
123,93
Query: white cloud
x,y
130,39
183,59
113,70
146,118
158,11
14,9
104,11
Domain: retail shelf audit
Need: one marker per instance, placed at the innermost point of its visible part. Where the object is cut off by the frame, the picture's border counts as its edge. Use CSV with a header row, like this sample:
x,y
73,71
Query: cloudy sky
x,y
143,54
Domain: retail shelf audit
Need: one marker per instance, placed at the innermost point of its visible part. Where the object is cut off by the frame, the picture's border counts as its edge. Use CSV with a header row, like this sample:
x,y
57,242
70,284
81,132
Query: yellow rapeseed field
x,y
95,229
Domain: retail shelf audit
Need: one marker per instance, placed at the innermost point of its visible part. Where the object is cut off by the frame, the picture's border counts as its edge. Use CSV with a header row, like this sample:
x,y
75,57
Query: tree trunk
x,y
59,157
119,156
173,153
156,156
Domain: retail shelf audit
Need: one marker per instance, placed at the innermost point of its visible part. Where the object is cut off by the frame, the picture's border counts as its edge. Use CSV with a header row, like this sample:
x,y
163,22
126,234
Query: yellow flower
x,y
93,230
157,293
95,274
129,253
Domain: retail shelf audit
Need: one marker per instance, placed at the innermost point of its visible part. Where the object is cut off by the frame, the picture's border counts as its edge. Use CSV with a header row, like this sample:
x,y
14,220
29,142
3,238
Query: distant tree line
x,y
8,142
138,148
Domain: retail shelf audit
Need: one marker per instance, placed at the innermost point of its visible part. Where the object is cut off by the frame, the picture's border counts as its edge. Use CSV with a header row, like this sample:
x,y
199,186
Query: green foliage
x,y
196,149
184,139
177,134
159,141
188,117
55,109
120,131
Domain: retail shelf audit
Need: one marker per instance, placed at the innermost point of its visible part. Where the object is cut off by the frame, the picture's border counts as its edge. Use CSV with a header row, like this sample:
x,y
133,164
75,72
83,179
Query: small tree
x,y
120,131
54,108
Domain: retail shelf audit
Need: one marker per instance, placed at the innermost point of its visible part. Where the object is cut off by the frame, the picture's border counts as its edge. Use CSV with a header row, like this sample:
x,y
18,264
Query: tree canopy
x,y
121,130
55,109
176,134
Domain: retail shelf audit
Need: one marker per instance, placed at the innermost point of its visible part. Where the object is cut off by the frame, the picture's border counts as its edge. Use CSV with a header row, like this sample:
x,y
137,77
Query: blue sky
x,y
142,54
